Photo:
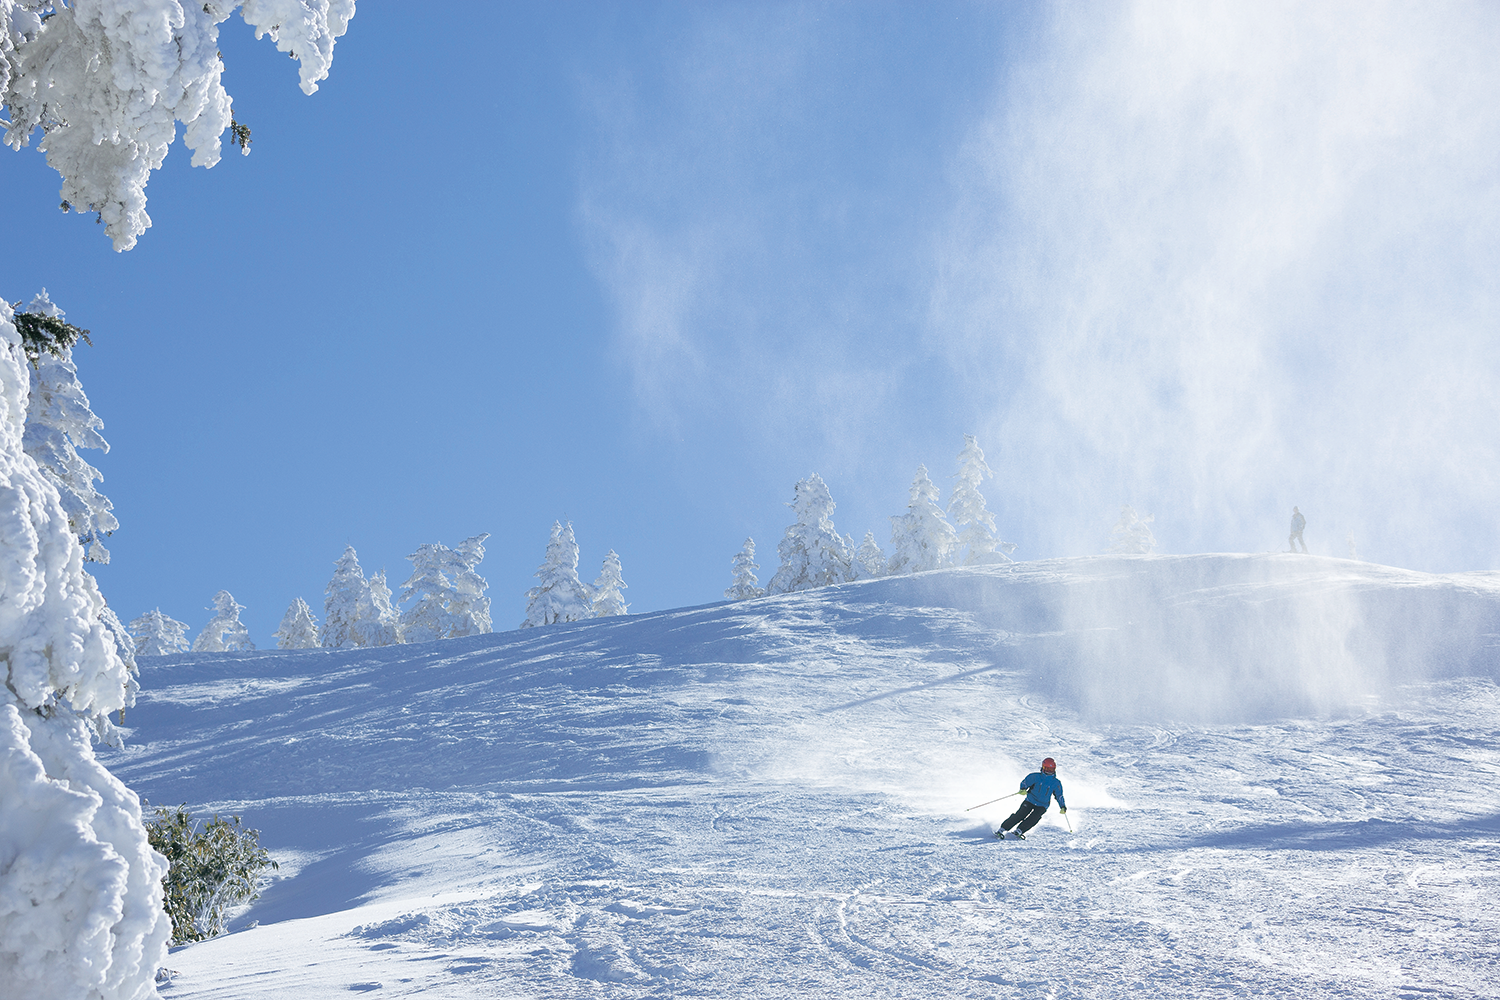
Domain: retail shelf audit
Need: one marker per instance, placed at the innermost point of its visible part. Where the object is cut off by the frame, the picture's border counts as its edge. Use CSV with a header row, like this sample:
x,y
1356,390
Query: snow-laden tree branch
x,y
107,81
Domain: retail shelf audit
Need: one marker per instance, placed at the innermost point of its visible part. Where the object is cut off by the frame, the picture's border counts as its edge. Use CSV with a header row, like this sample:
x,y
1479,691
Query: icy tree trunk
x,y
80,888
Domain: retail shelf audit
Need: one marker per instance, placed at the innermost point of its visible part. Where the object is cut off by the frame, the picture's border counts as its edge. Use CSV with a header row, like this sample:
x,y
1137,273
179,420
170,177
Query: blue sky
x,y
643,266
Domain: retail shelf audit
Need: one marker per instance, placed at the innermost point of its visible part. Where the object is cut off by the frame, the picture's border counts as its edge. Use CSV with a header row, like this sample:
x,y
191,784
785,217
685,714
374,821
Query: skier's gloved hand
x,y
1063,811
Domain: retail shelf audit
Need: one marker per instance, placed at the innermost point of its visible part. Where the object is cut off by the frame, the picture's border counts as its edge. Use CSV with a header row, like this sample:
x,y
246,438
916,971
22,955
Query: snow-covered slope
x,y
1281,772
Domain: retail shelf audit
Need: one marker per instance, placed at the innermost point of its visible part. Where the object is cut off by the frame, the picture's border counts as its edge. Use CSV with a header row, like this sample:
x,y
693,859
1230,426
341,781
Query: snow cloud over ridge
x,y
1207,259
1243,257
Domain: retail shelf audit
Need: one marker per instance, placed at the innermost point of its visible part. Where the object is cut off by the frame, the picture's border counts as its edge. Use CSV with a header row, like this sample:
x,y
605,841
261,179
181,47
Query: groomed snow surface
x,y
1282,773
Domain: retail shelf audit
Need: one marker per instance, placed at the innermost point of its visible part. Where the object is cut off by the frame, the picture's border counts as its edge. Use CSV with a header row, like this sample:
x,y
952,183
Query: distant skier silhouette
x,y
1040,788
1295,539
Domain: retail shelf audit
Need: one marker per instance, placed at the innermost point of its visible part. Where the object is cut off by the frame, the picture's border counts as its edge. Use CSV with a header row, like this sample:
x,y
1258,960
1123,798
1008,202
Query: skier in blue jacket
x,y
1040,788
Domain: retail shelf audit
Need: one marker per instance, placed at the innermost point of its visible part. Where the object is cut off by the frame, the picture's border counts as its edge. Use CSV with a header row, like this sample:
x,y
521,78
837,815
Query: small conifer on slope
x,y
224,631
58,423
298,629
355,614
743,586
813,554
157,635
922,537
607,599
975,524
559,596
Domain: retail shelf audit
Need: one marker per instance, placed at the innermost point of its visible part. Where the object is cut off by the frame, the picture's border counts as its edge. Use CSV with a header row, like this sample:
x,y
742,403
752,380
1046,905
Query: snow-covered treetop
x,y
967,511
743,586
224,631
107,81
298,629
813,553
559,596
58,423
57,649
922,537
157,635
608,601
1132,533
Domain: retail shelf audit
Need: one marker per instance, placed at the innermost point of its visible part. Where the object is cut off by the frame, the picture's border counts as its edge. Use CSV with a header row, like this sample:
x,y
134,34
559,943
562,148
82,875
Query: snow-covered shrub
x,y
224,631
813,554
211,869
80,910
355,613
560,596
107,81
973,521
58,423
607,598
1132,532
298,628
743,585
157,635
922,537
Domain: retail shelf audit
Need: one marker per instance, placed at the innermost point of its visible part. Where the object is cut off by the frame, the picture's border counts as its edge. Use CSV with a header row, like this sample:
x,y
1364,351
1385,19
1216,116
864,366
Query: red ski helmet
x,y
1049,766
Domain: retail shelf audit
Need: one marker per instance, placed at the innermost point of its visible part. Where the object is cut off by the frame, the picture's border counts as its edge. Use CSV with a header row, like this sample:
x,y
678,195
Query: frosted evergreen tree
x,y
357,612
83,915
973,521
922,537
606,590
224,631
813,554
298,629
559,596
58,423
431,590
1132,533
107,84
469,608
869,558
743,585
157,635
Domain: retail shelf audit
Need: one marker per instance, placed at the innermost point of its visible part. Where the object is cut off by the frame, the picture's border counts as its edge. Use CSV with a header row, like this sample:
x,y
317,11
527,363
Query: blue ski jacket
x,y
1040,788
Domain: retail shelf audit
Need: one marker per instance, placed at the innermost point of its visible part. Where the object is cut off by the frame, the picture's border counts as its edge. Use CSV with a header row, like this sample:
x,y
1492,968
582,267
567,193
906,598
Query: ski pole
x,y
992,801
1068,821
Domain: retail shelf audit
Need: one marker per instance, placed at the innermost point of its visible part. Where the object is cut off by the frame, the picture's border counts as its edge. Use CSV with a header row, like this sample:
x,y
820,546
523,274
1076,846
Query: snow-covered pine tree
x,y
607,598
429,586
1132,532
743,586
76,855
469,608
107,84
298,629
224,631
869,558
813,554
922,537
157,635
58,423
973,521
559,596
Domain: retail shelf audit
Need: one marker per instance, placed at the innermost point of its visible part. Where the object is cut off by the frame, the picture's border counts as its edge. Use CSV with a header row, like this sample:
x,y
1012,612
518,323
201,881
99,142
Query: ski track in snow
x,y
1282,774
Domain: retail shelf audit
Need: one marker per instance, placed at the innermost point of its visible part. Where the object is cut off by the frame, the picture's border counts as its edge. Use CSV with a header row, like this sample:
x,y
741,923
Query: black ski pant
x,y
1024,818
